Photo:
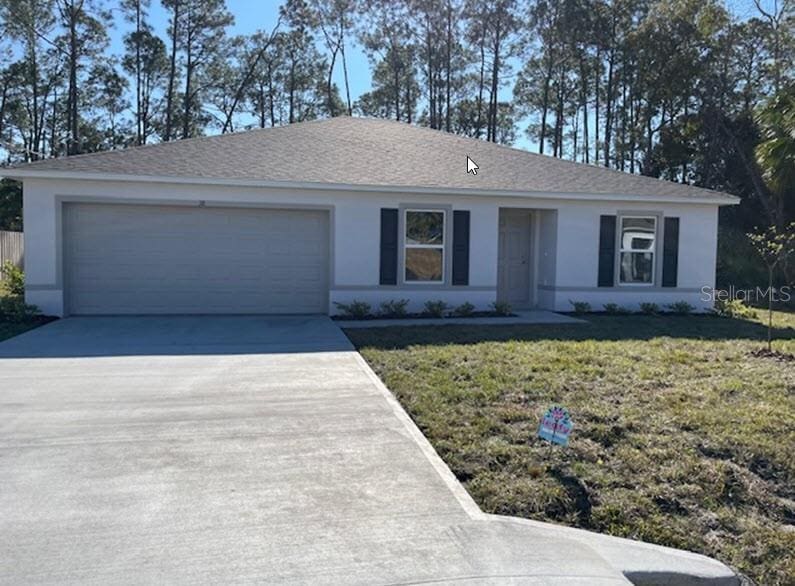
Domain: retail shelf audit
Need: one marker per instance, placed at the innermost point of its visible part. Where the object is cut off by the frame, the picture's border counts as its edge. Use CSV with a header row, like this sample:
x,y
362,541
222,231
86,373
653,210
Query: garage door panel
x,y
176,259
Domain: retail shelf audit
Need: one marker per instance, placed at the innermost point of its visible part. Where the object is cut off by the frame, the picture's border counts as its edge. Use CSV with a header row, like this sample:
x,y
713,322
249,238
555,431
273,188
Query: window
x,y
424,246
637,250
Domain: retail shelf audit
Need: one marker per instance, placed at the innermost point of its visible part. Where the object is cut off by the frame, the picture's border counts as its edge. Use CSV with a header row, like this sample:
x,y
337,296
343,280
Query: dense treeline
x,y
678,89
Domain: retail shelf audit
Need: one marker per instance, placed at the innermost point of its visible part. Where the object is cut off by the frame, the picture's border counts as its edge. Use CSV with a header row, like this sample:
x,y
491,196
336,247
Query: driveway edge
x,y
640,562
447,476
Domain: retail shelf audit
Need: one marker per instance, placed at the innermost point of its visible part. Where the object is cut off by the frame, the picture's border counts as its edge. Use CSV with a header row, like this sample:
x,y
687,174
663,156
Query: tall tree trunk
x,y
545,107
409,105
430,72
584,104
54,124
187,99
291,94
649,142
146,94
559,115
73,108
41,123
439,101
481,86
329,84
34,72
345,65
3,101
633,121
609,108
596,77
172,73
495,75
447,120
271,95
396,73
684,161
138,100
622,151
261,101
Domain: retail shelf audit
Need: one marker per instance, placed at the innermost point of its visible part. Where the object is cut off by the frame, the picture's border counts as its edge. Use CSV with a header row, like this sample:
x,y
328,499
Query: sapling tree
x,y
774,246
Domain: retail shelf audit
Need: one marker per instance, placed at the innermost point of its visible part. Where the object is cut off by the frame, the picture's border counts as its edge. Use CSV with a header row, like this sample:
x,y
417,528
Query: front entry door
x,y
513,274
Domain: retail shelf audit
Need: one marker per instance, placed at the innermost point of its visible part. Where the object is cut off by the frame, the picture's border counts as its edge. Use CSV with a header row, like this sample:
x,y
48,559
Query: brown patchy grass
x,y
683,435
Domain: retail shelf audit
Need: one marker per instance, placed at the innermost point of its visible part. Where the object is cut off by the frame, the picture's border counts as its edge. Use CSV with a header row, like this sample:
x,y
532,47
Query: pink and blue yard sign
x,y
556,425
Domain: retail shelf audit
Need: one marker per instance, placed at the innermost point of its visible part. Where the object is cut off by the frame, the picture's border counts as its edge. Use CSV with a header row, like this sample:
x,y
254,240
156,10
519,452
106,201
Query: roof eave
x,y
21,174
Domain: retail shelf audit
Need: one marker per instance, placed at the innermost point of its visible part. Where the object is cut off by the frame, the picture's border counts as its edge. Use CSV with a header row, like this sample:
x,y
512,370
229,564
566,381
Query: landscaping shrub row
x,y
734,308
13,308
434,308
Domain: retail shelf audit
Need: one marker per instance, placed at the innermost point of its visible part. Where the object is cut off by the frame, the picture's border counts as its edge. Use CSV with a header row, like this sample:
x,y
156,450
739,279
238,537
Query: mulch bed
x,y
422,316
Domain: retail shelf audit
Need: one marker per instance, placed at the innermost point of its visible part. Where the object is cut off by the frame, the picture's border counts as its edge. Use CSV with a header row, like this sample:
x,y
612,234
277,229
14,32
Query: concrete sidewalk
x,y
249,449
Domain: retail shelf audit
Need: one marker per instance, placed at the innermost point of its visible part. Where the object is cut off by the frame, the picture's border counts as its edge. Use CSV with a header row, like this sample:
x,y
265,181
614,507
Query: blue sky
x,y
253,15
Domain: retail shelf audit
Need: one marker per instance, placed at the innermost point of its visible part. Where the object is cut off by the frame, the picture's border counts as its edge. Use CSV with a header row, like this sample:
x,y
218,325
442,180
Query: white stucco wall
x,y
546,257
578,247
566,244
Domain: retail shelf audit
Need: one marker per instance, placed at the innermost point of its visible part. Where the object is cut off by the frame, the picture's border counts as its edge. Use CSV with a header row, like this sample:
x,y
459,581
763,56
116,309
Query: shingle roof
x,y
366,152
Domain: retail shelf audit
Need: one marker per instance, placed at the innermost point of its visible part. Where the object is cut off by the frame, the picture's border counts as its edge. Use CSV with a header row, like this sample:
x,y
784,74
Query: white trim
x,y
717,199
442,246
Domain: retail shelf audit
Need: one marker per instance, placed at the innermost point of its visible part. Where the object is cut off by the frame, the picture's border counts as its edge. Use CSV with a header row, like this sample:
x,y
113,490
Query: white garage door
x,y
140,259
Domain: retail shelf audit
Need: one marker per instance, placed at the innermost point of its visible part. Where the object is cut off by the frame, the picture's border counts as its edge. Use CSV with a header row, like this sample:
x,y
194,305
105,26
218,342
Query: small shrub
x,y
14,279
734,308
466,309
355,309
680,307
435,308
14,309
616,309
394,308
649,308
502,308
580,306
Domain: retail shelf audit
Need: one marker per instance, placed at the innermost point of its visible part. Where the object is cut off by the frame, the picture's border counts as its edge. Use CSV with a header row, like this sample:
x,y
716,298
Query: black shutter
x,y
670,252
389,246
461,247
607,251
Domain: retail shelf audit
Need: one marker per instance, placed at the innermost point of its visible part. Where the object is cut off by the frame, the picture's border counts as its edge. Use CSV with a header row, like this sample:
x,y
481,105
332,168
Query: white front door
x,y
513,274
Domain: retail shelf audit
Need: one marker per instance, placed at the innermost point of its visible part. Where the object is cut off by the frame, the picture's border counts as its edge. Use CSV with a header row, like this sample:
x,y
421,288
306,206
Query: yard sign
x,y
556,425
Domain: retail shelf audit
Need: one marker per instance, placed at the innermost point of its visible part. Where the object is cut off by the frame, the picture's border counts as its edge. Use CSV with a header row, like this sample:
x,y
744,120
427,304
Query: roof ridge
x,y
521,151
178,141
363,150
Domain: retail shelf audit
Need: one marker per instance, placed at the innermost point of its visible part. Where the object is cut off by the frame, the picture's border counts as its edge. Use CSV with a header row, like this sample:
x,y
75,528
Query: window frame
x,y
405,245
621,250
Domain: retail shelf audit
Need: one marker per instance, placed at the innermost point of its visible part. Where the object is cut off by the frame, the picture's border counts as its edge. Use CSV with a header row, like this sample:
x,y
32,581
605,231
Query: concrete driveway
x,y
245,449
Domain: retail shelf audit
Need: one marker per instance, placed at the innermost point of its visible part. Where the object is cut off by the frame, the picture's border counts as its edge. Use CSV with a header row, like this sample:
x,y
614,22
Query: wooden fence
x,y
11,248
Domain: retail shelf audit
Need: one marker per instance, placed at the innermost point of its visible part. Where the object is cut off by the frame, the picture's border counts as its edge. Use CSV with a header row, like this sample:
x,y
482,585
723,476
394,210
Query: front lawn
x,y
683,435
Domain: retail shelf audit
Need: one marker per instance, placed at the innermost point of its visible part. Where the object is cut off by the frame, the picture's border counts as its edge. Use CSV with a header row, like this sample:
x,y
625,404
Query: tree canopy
x,y
678,89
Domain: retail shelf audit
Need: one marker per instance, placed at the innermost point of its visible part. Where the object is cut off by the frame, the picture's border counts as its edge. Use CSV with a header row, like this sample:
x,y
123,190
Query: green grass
x,y
683,436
